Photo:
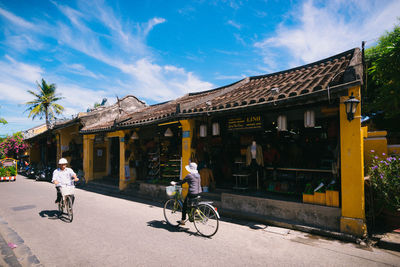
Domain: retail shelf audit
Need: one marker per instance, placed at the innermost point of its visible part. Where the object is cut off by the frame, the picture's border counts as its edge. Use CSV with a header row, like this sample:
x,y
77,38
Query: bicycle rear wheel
x,y
205,220
172,212
68,207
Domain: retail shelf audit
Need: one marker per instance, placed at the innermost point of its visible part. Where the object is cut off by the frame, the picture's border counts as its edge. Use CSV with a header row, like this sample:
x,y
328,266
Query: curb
x,y
385,243
22,253
285,224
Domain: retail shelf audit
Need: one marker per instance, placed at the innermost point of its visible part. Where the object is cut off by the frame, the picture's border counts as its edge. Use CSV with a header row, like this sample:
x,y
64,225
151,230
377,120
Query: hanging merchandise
x,y
135,136
203,130
215,129
282,123
168,133
309,119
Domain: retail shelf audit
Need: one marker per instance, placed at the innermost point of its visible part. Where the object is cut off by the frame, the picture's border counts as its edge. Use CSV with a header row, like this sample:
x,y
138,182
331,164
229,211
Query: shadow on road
x,y
51,214
164,225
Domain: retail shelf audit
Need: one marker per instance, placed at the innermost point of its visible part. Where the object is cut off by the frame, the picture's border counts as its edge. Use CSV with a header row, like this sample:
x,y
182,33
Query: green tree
x,y
383,84
3,121
44,103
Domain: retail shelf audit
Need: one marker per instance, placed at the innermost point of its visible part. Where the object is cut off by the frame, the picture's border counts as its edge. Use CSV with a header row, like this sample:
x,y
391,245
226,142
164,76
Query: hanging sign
x,y
245,122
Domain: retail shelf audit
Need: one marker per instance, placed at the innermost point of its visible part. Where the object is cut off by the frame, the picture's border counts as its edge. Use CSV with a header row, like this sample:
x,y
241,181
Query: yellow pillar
x,y
122,181
352,169
88,156
187,136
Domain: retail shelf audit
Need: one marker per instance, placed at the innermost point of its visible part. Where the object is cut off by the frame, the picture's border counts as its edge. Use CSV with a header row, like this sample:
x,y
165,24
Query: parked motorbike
x,y
30,172
81,177
44,174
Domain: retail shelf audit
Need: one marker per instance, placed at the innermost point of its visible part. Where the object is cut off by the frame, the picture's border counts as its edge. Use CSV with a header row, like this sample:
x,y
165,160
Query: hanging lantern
x,y
203,130
135,136
168,133
351,107
215,128
282,123
309,119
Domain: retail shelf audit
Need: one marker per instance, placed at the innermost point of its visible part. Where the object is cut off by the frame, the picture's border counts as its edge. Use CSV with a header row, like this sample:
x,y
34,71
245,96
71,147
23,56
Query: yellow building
x,y
297,118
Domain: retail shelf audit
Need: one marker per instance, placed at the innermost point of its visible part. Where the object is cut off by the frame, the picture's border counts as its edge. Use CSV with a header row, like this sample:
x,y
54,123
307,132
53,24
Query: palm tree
x,y
44,103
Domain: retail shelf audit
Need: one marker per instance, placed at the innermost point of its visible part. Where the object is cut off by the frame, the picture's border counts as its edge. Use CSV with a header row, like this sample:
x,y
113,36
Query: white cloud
x,y
15,19
323,29
151,23
82,70
16,78
234,24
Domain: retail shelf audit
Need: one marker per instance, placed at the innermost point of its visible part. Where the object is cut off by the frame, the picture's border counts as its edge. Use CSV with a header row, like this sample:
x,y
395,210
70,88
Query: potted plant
x,y
319,194
332,194
308,194
385,181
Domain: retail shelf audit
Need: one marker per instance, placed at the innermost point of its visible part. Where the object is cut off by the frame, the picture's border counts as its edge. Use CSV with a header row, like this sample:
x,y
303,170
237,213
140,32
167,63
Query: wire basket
x,y
172,190
67,190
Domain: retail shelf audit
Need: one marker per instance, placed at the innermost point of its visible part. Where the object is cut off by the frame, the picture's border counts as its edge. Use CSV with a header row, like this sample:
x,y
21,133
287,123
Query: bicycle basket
x,y
171,190
67,190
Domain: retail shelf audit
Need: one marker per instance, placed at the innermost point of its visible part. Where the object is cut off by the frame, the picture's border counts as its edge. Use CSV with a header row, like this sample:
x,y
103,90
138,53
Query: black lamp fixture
x,y
351,106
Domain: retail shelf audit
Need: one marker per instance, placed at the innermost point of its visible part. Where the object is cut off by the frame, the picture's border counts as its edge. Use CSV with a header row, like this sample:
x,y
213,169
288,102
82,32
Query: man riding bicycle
x,y
194,181
63,176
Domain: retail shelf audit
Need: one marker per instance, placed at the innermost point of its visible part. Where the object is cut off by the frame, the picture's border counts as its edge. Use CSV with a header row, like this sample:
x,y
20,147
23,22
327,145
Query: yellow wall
x,y
394,149
352,169
65,136
88,156
377,142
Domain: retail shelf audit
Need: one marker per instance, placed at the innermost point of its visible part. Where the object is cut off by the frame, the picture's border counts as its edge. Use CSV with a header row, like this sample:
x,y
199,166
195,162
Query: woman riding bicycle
x,y
194,181
63,176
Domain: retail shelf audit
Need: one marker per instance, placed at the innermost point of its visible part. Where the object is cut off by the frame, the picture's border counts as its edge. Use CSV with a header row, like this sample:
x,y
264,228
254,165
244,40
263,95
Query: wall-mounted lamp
x,y
203,130
309,119
215,129
168,133
282,123
135,136
351,107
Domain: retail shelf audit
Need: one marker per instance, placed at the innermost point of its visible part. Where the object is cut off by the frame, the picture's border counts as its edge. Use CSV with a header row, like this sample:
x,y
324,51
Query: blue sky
x,y
159,50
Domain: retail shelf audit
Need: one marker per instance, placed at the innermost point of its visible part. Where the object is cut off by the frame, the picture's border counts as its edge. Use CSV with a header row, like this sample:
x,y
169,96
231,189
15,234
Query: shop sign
x,y
245,122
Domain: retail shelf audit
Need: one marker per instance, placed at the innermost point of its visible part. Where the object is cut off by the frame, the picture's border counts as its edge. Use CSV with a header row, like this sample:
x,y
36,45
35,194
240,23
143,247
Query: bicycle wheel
x,y
68,207
172,212
205,220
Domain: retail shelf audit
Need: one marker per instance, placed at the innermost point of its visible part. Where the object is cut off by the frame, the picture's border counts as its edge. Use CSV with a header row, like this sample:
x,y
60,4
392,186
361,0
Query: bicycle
x,y
67,192
204,216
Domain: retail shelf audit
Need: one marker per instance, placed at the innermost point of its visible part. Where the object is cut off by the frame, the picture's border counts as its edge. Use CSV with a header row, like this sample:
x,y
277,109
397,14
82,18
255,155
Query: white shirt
x,y
63,177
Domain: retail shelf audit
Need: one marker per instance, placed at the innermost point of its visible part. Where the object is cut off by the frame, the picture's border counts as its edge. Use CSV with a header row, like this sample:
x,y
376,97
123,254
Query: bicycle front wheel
x,y
172,212
68,207
205,220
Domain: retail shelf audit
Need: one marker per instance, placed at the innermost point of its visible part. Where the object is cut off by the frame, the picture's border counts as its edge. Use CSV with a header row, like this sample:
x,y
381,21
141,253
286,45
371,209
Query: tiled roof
x,y
302,81
293,84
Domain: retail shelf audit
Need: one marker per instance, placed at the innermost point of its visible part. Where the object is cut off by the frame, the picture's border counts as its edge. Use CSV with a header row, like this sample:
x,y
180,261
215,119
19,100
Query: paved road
x,y
110,231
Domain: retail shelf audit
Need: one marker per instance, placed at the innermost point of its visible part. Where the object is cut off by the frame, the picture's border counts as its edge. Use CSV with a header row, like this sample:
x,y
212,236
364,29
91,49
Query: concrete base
x,y
153,191
353,226
307,214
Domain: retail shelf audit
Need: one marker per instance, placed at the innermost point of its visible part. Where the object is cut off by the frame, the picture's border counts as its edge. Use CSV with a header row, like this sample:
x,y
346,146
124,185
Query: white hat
x,y
62,161
192,167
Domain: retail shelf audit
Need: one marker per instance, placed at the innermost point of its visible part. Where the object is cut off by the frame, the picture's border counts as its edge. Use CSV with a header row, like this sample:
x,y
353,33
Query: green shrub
x,y
385,181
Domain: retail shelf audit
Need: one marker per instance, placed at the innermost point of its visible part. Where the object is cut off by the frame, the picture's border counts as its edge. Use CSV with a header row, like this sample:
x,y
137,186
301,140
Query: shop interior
x,y
155,152
264,153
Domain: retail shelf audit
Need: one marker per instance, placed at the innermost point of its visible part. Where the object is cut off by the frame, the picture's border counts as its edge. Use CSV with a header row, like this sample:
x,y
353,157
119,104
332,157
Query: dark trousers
x,y
188,198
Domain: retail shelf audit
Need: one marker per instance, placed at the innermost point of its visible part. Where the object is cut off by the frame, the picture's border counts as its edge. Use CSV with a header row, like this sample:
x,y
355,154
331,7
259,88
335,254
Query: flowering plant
x,y
385,180
12,146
